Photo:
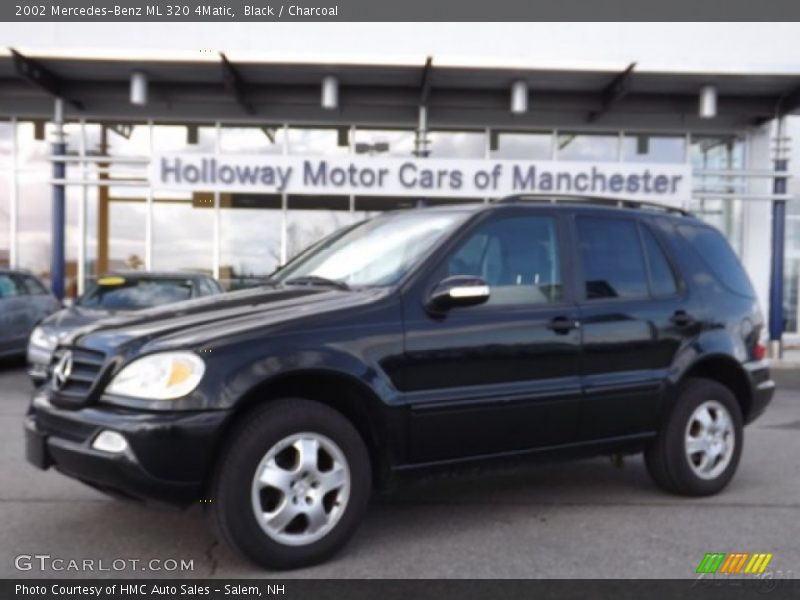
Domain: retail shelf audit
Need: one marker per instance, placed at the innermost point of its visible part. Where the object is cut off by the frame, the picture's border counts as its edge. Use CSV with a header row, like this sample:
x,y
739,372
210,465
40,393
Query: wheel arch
x,y
726,371
341,391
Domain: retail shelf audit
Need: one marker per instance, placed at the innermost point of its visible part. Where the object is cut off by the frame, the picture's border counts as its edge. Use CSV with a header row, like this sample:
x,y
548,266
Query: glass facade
x,y
522,146
242,238
588,146
715,194
646,147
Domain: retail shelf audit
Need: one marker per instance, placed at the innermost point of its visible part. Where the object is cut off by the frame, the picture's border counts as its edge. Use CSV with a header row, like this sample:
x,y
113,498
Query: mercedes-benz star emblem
x,y
62,370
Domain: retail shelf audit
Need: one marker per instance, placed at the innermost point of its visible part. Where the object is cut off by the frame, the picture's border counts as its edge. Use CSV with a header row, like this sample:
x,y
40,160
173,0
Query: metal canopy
x,y
388,95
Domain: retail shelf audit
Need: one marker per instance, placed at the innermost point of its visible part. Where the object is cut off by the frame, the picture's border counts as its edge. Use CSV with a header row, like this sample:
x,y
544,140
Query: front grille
x,y
78,388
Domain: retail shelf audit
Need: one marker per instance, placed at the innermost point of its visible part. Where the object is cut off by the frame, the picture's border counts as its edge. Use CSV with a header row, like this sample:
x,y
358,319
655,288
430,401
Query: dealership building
x,y
230,164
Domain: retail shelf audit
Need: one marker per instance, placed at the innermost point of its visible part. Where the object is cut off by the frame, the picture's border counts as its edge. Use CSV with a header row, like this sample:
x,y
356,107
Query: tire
x,y
672,465
305,517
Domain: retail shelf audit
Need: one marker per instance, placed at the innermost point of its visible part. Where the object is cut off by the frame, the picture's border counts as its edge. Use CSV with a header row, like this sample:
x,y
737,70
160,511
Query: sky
x,y
758,47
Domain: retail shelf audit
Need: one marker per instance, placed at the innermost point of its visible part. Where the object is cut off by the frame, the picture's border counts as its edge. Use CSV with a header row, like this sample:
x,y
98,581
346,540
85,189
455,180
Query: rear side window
x,y
662,280
611,254
32,286
713,249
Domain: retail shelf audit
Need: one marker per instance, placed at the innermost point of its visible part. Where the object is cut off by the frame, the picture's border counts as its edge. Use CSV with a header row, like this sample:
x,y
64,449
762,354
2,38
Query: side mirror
x,y
458,290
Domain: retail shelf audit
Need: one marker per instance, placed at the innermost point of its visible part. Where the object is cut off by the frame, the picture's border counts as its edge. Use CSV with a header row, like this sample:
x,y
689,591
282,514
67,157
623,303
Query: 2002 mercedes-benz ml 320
x,y
428,337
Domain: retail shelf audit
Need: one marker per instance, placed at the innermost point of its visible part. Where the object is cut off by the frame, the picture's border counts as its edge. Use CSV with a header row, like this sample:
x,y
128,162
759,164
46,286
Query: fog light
x,y
110,441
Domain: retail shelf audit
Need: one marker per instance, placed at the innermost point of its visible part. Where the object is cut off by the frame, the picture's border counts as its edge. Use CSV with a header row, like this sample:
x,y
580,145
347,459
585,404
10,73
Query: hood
x,y
71,318
196,322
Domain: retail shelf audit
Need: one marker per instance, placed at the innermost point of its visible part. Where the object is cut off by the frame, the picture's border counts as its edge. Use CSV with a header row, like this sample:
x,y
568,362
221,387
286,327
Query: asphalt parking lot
x,y
571,520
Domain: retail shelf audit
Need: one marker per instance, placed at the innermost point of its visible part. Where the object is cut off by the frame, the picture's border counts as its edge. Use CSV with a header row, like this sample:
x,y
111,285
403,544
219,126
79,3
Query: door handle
x,y
681,318
563,325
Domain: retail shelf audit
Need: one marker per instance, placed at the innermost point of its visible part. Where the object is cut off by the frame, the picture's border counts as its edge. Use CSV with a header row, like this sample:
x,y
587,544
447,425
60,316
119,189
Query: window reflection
x,y
250,238
644,147
183,233
384,142
181,138
588,146
457,144
120,139
251,224
127,215
318,141
311,218
269,139
719,153
33,226
517,257
523,146
612,259
723,213
116,214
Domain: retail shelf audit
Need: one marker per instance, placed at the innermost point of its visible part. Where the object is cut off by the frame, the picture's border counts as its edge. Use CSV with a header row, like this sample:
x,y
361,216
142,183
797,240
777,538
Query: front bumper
x,y
168,459
762,388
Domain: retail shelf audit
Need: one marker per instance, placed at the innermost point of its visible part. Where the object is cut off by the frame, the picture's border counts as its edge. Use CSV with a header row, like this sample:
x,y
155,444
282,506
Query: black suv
x,y
428,337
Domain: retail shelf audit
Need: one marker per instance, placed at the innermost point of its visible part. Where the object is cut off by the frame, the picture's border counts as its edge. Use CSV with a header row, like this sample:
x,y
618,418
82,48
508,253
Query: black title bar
x,y
704,587
403,10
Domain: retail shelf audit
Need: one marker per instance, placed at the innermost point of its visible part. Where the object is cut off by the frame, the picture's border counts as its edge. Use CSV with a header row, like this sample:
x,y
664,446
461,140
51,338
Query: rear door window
x,y
613,262
662,279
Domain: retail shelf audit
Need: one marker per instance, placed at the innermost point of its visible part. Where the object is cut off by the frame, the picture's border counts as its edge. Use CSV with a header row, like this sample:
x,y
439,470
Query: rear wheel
x,y
697,452
293,484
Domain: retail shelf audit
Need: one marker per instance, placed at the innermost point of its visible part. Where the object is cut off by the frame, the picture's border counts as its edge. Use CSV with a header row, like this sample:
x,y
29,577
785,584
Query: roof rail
x,y
598,200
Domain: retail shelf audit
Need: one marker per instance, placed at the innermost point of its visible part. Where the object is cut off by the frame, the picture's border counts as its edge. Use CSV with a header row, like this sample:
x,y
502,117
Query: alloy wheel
x,y
301,488
710,439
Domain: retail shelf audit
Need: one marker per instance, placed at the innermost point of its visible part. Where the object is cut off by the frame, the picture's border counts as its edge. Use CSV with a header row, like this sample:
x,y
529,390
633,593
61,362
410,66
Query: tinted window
x,y
213,286
714,250
611,253
136,293
32,286
662,280
517,257
207,287
8,287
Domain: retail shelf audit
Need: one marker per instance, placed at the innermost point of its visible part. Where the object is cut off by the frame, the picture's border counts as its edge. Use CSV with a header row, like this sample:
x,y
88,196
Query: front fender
x,y
307,360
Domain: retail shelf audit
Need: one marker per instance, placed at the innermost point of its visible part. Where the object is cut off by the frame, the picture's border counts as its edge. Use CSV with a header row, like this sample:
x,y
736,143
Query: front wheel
x,y
697,451
293,484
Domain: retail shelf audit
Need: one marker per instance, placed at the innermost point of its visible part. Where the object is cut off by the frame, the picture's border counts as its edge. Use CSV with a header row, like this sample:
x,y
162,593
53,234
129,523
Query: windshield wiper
x,y
317,280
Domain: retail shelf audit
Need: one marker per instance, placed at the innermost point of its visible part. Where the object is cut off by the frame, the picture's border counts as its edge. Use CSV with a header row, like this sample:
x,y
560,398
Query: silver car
x,y
111,294
24,302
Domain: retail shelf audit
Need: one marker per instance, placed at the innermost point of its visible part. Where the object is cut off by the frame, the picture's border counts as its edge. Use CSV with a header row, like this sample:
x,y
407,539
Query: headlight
x,y
163,376
43,339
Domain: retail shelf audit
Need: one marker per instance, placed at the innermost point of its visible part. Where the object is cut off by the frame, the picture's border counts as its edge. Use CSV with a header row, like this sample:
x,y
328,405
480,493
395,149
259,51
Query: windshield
x,y
118,293
376,252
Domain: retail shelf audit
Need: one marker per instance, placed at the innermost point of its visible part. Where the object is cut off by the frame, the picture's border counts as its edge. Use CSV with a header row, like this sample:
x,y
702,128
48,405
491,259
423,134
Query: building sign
x,y
418,177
